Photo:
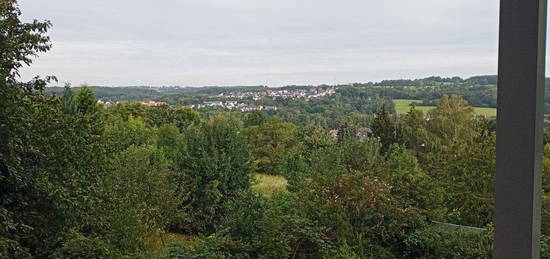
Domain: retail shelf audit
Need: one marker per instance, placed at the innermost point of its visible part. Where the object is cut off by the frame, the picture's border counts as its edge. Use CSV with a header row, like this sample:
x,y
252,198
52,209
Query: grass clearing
x,y
267,185
158,243
402,107
489,112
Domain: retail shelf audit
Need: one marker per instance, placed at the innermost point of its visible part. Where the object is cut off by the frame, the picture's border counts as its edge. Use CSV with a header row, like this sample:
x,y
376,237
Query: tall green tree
x,y
181,117
69,100
459,153
19,41
385,128
273,144
255,118
414,130
412,187
215,168
86,102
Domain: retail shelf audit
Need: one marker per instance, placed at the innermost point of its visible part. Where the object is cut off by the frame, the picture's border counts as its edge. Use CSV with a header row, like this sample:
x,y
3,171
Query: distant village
x,y
233,105
306,94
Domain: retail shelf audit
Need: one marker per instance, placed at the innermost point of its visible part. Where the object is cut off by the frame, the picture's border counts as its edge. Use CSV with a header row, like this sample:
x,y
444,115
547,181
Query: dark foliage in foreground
x,y
80,180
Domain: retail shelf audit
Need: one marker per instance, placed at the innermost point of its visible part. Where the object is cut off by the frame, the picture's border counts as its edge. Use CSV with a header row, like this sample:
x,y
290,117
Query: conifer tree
x,y
385,128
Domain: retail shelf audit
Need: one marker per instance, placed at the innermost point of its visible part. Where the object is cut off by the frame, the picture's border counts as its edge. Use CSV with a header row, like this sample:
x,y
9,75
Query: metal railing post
x,y
522,43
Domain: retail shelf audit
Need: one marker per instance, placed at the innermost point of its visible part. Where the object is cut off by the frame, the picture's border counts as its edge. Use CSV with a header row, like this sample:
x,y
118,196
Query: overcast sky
x,y
273,42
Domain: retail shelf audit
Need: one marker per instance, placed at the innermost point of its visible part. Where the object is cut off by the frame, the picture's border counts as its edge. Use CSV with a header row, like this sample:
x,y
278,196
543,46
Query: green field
x,y
402,107
267,185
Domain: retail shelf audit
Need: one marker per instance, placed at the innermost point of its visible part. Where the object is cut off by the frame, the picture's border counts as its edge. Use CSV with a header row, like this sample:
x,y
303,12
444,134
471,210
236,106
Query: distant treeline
x,y
479,91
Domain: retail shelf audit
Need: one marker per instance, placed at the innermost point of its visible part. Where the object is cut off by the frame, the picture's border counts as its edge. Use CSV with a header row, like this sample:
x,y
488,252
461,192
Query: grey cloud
x,y
229,42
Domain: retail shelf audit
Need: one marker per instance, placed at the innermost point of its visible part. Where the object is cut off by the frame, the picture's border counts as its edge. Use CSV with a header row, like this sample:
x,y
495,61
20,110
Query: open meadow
x,y
402,106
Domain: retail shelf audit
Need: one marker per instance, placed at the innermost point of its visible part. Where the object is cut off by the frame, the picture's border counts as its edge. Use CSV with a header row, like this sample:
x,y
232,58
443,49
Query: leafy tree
x,y
358,210
461,156
126,110
315,141
121,134
19,42
215,168
140,199
272,144
385,128
446,133
69,100
415,133
170,142
85,101
411,186
181,117
255,118
442,242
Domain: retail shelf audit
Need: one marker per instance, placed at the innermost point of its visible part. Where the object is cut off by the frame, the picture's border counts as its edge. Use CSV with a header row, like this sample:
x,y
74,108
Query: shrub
x,y
442,242
359,211
76,245
215,168
545,246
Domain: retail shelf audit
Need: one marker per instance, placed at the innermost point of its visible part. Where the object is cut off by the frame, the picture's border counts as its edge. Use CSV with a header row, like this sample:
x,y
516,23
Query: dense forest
x,y
84,180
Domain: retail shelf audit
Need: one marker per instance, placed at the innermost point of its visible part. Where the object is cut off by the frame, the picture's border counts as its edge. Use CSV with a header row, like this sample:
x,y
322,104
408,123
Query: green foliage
x,y
459,156
359,211
11,248
126,110
121,134
441,242
114,94
69,101
181,117
258,228
443,126
170,142
50,164
272,144
385,128
545,246
156,116
210,247
255,118
20,42
415,132
81,180
85,101
411,186
76,245
139,199
216,166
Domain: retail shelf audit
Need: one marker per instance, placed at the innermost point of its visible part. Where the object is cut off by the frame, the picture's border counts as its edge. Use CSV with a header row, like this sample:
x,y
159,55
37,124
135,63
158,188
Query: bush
x,y
77,245
442,242
359,211
215,168
138,200
211,247
545,246
12,249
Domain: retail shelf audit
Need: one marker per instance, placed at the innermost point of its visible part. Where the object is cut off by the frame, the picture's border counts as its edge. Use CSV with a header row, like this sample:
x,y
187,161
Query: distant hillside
x,y
146,93
479,91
